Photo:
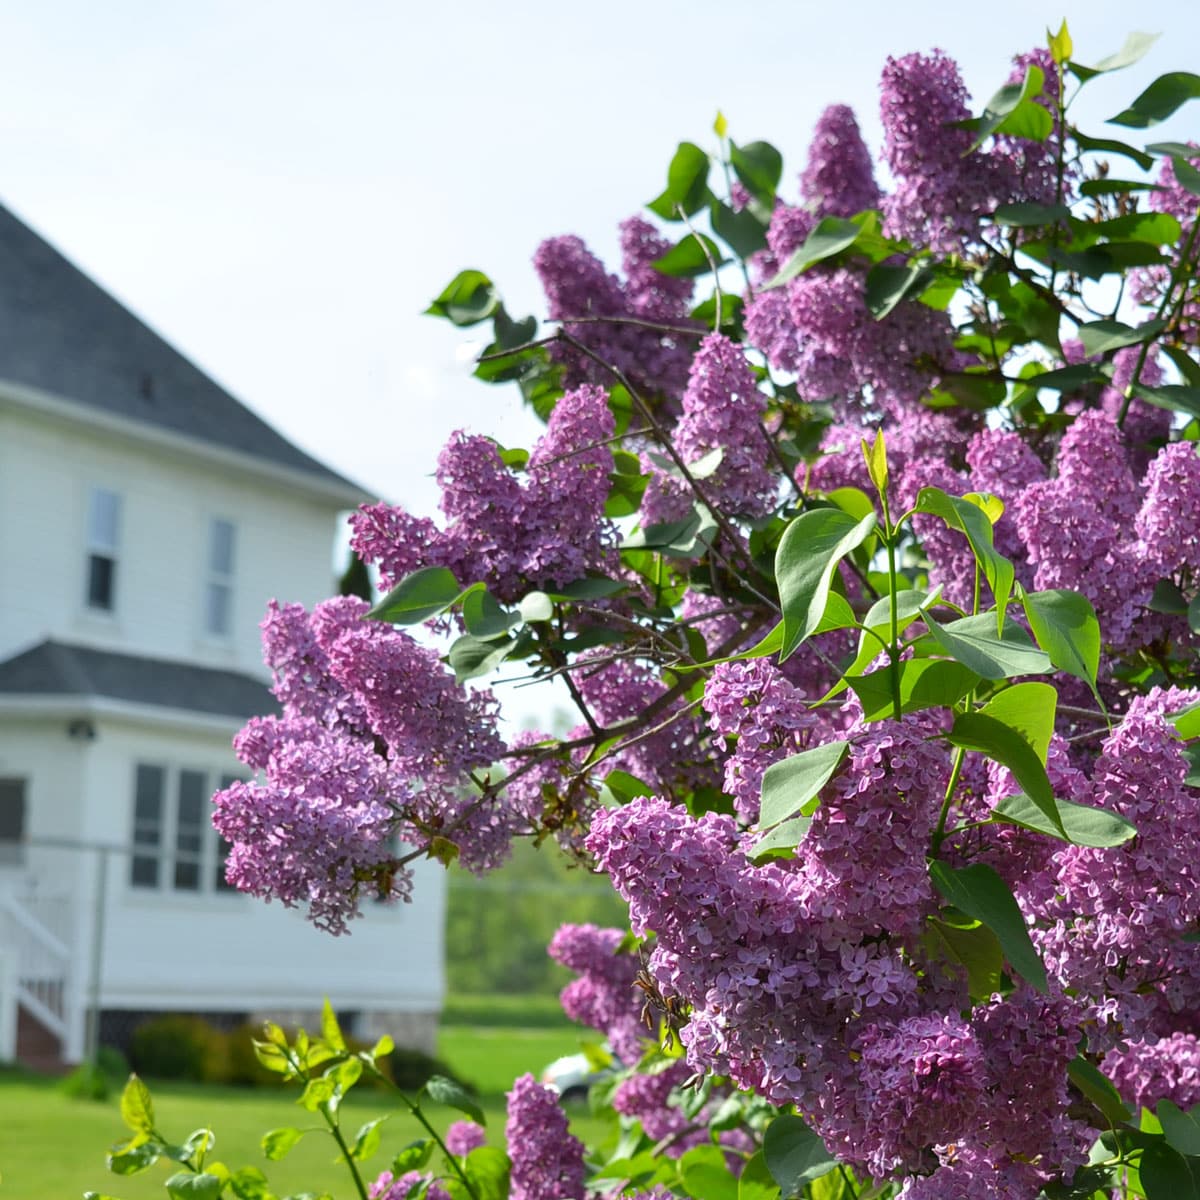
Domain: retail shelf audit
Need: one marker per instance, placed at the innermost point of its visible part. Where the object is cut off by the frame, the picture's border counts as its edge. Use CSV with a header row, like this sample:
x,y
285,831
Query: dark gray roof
x,y
56,669
64,334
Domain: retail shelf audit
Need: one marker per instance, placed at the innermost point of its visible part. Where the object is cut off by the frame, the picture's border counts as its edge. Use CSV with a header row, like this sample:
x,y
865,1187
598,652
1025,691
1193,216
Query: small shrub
x,y
175,1046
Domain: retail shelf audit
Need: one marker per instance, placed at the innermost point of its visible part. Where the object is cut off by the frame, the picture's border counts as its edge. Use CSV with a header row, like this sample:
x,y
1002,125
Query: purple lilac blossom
x,y
603,996
943,187
1161,1069
1168,522
577,285
722,410
514,538
399,1187
1116,915
838,179
754,703
464,1136
1027,169
547,1161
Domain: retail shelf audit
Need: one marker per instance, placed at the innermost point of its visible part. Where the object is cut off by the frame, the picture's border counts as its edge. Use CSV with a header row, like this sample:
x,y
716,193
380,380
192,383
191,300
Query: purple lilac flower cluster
x,y
577,285
464,1136
603,995
547,1160
755,704
401,1187
513,536
374,743
722,410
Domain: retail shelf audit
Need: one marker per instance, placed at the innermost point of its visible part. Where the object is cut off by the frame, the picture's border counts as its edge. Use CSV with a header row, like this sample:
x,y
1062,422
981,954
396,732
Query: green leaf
x,y
1173,397
1060,45
185,1186
316,1093
536,606
134,1157
972,948
1109,146
780,841
831,236
1166,94
1099,337
793,785
687,184
1013,110
483,615
1098,1088
1187,721
417,597
249,1183
331,1031
968,518
1066,628
805,562
705,1174
1185,174
877,625
755,1181
888,285
488,1170
1084,825
742,231
1029,708
1135,47
980,893
625,787
414,1156
1003,744
137,1109
366,1140
795,1154
452,1095
1066,379
877,464
759,166
1181,1129
1165,1174
973,642
924,683
471,658
1031,216
279,1141
466,300
1191,755
693,255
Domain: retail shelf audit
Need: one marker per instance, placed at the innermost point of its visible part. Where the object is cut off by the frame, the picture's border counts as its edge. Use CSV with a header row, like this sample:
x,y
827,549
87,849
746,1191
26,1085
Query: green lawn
x,y
53,1147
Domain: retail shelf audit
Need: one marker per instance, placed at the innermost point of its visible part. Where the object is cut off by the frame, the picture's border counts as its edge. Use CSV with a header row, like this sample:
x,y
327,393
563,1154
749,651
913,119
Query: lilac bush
x,y
873,576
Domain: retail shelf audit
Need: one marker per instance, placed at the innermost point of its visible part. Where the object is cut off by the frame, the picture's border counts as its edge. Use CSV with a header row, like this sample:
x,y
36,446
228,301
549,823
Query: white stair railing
x,y
39,957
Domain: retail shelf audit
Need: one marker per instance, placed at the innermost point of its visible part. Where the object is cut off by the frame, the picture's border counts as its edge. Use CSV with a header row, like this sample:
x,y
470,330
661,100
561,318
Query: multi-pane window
x,y
175,847
218,585
12,822
103,540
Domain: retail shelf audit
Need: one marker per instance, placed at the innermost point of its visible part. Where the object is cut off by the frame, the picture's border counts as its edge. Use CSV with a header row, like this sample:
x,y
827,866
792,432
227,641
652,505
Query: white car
x,y
572,1075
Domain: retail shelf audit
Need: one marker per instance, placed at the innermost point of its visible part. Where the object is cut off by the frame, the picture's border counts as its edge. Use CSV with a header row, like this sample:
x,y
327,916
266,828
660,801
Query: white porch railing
x,y
34,941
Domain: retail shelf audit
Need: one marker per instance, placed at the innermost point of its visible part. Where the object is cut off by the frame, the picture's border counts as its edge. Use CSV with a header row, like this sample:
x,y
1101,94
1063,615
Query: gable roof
x,y
63,334
57,669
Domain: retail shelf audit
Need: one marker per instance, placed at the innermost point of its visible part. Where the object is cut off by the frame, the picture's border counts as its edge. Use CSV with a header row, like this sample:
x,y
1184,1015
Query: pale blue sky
x,y
280,188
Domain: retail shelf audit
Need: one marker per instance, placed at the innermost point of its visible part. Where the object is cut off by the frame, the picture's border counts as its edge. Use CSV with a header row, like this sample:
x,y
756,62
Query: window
x,y
103,535
174,844
12,822
218,587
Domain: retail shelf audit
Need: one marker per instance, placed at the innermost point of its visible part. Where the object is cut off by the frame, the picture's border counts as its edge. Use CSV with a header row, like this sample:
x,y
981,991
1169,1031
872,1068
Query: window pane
x,y
12,822
104,520
189,830
218,608
220,547
147,824
101,581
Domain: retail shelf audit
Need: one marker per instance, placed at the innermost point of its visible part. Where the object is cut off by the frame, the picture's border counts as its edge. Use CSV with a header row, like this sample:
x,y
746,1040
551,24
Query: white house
x,y
146,517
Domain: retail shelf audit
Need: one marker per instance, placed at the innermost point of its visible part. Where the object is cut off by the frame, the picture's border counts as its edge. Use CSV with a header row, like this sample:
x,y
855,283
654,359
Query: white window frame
x,y
164,847
219,578
100,544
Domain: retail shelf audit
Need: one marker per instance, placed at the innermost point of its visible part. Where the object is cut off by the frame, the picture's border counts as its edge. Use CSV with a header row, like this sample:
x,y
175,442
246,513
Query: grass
x,y
54,1146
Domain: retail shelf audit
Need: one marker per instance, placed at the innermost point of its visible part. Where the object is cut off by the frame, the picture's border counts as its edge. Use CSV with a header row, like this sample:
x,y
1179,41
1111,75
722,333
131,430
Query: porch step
x,y
38,1048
